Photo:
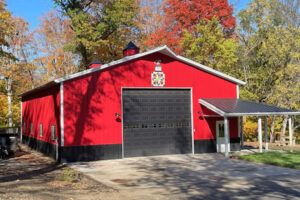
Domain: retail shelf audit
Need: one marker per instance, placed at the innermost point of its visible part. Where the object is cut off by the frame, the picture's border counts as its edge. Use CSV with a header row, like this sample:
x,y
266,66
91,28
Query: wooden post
x,y
226,134
266,134
242,133
290,133
260,134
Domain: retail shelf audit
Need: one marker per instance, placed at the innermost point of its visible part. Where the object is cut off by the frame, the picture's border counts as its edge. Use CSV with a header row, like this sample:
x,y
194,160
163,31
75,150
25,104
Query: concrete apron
x,y
184,176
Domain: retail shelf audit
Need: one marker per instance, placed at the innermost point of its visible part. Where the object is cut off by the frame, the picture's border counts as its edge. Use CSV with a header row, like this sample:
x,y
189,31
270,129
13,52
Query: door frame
x,y
217,135
158,88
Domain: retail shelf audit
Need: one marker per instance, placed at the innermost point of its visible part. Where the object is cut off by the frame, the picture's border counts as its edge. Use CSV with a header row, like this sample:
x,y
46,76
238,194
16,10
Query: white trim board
x,y
62,114
224,114
211,107
164,50
160,88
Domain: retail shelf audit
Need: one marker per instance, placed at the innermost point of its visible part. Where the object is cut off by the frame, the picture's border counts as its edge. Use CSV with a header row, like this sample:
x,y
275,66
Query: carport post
x,y
290,132
259,134
242,132
226,136
266,134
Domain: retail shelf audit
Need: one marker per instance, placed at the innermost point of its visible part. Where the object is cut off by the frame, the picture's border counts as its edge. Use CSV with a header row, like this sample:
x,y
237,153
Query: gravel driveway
x,y
201,176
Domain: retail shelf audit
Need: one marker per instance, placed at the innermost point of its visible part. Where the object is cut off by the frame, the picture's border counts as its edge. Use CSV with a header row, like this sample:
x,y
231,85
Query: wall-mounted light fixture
x,y
157,66
117,114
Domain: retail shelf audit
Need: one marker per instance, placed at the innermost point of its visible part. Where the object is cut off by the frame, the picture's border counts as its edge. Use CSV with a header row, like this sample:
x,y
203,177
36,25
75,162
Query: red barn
x,y
143,104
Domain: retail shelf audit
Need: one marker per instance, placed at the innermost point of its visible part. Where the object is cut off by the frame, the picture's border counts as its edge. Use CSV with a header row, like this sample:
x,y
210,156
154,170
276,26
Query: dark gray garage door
x,y
156,122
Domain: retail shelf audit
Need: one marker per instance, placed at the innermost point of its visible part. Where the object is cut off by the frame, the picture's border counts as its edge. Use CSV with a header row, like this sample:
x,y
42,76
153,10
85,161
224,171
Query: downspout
x,y
61,117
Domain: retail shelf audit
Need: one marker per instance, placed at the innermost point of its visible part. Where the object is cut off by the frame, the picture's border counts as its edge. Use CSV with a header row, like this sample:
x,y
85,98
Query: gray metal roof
x,y
239,107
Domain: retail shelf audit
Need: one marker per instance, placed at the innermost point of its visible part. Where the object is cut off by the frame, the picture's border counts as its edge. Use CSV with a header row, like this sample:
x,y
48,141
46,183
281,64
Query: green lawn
x,y
285,148
290,160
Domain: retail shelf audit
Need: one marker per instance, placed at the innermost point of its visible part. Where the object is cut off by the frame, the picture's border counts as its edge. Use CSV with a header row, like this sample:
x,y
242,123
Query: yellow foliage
x,y
250,130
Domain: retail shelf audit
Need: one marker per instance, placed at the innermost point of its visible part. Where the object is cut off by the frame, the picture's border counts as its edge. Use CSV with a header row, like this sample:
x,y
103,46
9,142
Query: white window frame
x,y
24,127
31,128
53,131
41,130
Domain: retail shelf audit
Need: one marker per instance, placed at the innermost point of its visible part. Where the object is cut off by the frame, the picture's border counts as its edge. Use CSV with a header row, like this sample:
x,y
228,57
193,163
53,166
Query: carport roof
x,y
239,107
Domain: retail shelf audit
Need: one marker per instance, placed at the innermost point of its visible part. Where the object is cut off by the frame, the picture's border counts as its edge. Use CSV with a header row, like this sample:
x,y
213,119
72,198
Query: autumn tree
x,y
5,56
208,45
269,54
150,19
19,70
53,34
100,26
185,15
5,28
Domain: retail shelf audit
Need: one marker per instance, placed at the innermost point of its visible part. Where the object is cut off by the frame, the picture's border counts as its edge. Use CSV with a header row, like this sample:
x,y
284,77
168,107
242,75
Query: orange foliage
x,y
185,14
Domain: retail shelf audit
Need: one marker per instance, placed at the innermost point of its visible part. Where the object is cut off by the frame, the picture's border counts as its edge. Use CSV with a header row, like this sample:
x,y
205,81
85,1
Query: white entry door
x,y
220,134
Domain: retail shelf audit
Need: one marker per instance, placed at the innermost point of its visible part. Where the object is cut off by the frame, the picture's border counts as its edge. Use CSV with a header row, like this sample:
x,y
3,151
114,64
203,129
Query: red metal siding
x,y
42,108
209,126
90,102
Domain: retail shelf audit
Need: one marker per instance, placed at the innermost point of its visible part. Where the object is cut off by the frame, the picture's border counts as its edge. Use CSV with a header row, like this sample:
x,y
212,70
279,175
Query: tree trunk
x,y
272,129
284,123
9,94
31,79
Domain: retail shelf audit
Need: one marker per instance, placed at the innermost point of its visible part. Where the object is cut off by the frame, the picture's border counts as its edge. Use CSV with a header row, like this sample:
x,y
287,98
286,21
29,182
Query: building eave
x,y
163,50
42,87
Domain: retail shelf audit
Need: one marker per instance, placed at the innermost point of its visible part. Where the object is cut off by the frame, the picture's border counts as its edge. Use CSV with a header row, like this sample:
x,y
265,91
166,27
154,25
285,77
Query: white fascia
x,y
211,107
210,70
111,64
62,114
164,50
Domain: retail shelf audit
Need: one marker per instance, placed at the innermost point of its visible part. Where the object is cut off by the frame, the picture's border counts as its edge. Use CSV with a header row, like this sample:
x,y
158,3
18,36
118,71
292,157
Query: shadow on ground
x,y
205,176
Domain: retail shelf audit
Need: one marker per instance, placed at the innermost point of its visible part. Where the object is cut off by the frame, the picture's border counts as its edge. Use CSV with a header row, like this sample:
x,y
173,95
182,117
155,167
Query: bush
x,y
250,131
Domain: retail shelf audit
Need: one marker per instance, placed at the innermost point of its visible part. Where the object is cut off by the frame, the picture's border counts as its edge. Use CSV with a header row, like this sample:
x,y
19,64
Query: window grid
x,y
53,132
31,128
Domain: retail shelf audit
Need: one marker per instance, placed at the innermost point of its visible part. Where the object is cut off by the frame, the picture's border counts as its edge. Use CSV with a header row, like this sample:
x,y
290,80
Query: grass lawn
x,y
290,160
285,148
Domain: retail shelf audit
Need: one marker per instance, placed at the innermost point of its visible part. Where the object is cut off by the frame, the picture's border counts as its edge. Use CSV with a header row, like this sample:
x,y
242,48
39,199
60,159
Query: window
x,y
53,132
24,127
31,128
41,130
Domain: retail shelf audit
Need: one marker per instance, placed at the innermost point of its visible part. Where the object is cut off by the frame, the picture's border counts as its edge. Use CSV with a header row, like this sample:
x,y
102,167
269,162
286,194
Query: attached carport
x,y
239,108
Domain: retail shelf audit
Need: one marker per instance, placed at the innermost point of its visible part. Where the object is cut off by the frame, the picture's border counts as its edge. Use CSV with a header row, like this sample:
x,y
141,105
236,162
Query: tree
x,y
150,19
5,28
53,34
208,45
99,26
269,54
185,15
15,70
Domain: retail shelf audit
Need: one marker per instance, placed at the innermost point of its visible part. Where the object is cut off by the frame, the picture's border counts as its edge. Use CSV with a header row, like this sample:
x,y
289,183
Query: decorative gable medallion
x,y
158,79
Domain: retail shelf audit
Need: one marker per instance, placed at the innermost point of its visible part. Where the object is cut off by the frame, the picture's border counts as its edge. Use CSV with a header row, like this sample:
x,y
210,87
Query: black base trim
x,y
209,146
235,144
205,146
91,153
39,145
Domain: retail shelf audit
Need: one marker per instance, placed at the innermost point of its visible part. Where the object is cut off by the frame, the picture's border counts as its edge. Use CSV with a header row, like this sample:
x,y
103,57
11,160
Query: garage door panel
x,y
156,122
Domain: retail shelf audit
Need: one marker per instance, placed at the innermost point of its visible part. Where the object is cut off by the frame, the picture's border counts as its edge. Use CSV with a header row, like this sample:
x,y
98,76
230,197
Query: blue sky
x,y
32,10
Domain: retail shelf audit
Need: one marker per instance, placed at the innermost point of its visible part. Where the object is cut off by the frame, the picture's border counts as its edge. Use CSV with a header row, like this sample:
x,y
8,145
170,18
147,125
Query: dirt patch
x,y
274,145
31,175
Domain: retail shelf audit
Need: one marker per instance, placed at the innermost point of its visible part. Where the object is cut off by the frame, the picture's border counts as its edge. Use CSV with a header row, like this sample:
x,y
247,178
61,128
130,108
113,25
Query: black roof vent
x,y
131,45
